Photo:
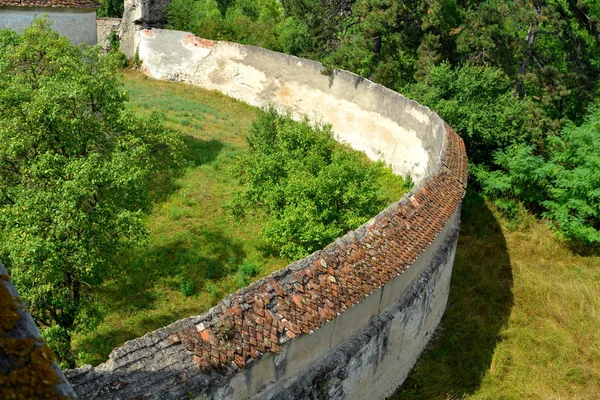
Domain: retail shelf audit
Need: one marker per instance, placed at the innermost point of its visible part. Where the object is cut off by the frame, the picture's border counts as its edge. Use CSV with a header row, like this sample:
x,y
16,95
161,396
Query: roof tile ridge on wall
x,y
310,292
51,3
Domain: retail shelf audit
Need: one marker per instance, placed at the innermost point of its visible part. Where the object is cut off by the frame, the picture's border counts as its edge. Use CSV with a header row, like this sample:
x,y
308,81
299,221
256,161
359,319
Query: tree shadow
x,y
460,353
197,152
197,254
201,255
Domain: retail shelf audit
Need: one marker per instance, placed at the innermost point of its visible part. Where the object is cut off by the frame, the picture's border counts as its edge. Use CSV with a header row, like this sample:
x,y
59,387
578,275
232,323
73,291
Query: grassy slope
x,y
523,319
192,238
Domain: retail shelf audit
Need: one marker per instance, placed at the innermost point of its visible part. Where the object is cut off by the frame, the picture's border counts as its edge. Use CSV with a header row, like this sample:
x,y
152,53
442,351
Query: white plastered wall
x,y
78,24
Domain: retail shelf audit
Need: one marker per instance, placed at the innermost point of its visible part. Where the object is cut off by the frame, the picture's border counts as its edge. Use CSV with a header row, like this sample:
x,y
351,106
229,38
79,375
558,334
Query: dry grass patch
x,y
523,320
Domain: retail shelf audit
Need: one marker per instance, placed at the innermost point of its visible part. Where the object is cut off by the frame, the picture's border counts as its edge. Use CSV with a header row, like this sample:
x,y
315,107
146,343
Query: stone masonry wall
x,y
104,28
348,321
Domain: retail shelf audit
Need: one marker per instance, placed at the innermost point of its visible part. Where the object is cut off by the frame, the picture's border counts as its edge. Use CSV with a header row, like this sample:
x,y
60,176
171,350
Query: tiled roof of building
x,y
51,3
27,369
274,311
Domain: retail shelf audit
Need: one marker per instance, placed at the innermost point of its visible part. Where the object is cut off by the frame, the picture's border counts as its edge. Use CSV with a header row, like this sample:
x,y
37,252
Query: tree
x,y
562,184
111,8
312,189
75,173
325,23
477,102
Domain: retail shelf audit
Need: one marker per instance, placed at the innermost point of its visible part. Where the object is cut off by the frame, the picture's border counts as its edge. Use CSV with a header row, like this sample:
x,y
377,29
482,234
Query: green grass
x,y
196,253
523,318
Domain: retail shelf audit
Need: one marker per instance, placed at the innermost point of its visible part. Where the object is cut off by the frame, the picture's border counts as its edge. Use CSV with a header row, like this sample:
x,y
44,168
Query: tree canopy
x,y
75,175
505,74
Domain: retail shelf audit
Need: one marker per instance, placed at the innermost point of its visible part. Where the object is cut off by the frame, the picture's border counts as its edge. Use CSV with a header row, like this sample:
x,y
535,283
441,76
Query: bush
x,y
563,184
312,188
245,272
187,287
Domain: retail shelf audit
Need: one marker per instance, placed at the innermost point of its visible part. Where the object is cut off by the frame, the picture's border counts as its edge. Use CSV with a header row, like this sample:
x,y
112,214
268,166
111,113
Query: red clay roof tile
x,y
51,3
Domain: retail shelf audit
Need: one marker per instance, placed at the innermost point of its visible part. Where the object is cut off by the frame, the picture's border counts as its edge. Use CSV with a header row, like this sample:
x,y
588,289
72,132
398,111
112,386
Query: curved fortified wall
x,y
348,321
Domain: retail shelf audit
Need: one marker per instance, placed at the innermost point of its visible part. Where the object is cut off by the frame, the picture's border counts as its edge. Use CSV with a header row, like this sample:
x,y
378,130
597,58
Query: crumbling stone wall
x,y
138,15
104,28
348,321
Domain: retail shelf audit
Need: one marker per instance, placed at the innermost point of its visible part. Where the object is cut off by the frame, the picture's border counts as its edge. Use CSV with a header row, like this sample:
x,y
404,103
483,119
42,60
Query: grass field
x,y
195,248
523,318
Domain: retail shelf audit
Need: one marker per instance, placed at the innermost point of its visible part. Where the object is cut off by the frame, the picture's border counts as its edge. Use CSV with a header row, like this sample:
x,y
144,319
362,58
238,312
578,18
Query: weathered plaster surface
x,y
380,122
77,24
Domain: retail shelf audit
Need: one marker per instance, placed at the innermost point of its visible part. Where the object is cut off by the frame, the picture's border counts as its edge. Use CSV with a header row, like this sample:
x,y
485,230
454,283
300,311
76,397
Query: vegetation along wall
x,y
348,321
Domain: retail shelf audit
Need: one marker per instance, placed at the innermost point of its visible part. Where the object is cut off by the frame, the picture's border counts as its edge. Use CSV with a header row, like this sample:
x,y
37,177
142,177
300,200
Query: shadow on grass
x,y
146,275
458,357
196,254
197,152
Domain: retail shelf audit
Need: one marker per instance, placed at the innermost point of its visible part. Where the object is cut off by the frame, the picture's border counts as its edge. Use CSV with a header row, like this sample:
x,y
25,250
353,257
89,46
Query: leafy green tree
x,y
574,200
563,184
478,102
325,23
111,8
312,189
75,173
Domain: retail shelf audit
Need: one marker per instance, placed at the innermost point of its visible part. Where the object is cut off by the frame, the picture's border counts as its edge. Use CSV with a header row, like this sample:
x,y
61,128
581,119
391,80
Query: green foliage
x,y
312,189
245,272
243,21
75,175
212,289
574,200
186,286
114,41
320,23
111,8
408,183
476,101
293,36
136,61
563,188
